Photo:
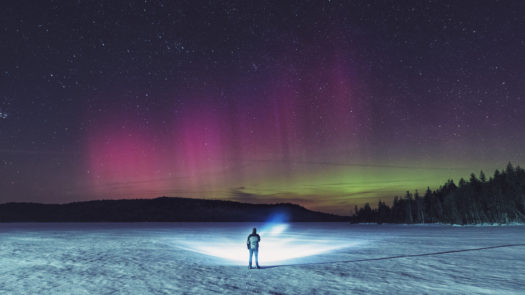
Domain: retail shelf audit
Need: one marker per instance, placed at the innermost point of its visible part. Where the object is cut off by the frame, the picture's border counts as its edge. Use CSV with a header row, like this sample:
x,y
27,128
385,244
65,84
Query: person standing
x,y
253,245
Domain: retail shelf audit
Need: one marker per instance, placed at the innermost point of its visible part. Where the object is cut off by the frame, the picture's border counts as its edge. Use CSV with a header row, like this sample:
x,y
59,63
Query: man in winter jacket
x,y
253,245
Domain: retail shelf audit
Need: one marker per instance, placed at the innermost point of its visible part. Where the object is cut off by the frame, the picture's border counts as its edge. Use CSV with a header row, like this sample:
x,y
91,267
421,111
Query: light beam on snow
x,y
275,246
275,225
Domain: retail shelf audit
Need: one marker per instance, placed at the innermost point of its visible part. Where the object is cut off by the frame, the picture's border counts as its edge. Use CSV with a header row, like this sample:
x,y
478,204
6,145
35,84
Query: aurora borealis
x,y
325,104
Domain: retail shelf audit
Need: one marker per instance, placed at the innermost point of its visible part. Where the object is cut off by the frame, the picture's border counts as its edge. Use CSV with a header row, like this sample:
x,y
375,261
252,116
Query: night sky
x,y
322,103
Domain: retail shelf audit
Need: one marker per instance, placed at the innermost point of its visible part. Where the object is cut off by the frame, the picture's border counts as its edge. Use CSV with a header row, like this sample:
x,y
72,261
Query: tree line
x,y
499,199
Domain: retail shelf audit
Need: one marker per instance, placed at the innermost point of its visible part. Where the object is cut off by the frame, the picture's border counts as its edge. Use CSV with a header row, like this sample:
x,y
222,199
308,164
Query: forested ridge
x,y
163,209
499,199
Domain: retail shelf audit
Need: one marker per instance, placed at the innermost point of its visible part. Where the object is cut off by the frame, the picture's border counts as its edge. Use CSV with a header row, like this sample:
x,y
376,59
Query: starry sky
x,y
325,104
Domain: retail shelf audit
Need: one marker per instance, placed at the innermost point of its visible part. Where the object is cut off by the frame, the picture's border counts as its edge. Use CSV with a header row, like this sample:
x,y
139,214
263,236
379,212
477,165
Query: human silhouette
x,y
253,245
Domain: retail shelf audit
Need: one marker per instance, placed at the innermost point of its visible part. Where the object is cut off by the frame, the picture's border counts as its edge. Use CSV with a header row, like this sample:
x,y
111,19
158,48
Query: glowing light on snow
x,y
275,246
277,229
275,225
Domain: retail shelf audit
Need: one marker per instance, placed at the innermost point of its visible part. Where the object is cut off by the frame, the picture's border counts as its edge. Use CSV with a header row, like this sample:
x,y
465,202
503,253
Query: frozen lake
x,y
299,258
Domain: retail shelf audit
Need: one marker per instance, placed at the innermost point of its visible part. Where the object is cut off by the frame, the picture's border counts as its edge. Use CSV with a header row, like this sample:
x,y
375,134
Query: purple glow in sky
x,y
322,103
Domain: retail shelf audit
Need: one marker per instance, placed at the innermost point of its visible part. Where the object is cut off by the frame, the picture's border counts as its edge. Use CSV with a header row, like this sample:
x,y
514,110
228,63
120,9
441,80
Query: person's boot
x,y
258,267
249,267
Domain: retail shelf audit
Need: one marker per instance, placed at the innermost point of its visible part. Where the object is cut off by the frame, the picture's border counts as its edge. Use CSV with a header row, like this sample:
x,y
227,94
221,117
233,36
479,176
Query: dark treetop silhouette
x,y
500,199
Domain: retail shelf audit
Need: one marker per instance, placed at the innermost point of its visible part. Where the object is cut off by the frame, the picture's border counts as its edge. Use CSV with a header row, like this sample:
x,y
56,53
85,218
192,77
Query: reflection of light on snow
x,y
275,246
276,229
275,225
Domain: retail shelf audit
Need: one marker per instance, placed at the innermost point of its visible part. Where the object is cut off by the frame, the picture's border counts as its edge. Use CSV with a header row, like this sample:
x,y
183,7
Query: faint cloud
x,y
239,195
362,165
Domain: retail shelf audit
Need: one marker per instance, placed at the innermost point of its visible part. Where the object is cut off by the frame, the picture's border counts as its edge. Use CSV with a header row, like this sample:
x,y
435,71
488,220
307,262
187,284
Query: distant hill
x,y
161,209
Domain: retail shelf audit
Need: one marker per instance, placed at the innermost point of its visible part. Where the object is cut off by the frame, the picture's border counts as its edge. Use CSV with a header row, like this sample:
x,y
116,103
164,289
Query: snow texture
x,y
299,258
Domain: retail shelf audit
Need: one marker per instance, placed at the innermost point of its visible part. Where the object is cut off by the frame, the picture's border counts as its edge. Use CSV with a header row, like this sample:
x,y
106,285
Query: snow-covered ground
x,y
299,258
